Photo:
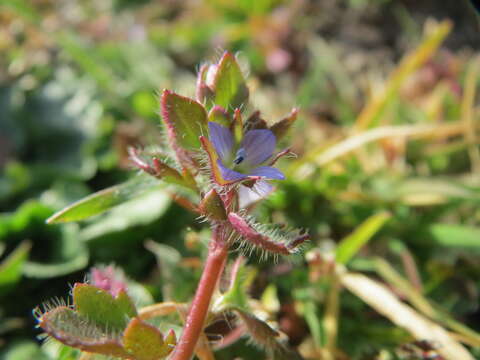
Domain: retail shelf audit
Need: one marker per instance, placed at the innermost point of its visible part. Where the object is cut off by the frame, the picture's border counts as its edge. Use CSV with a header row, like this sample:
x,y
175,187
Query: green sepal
x,y
212,206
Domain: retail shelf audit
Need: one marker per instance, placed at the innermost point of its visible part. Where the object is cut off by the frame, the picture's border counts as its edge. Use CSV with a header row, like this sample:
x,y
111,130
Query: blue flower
x,y
248,159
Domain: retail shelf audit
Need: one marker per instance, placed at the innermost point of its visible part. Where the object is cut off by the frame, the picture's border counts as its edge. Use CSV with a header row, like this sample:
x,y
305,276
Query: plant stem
x,y
217,255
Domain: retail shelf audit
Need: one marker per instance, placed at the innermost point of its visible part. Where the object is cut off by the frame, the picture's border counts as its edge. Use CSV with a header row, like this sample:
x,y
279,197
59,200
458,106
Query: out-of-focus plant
x,y
217,165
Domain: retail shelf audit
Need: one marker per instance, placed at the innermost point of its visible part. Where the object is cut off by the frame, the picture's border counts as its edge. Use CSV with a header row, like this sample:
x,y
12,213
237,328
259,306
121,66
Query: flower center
x,y
240,156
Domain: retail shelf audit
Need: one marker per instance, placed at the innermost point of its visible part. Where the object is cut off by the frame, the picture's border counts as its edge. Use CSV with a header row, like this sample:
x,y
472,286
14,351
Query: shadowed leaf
x,y
11,267
212,206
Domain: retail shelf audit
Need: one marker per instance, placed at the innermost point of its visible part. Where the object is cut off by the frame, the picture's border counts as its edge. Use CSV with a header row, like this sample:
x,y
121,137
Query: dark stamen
x,y
240,156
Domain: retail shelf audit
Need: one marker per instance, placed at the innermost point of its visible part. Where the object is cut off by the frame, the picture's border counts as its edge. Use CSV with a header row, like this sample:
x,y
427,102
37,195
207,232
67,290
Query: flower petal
x,y
221,138
248,196
214,162
267,172
229,174
258,145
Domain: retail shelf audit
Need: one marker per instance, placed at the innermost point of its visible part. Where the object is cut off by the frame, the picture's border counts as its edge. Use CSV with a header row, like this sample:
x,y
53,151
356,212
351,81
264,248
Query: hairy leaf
x,y
185,118
78,331
100,307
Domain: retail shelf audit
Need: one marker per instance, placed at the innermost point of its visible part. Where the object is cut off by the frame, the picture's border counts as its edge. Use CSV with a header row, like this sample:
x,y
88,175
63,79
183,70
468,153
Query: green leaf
x,y
145,342
230,88
100,307
103,200
186,120
76,330
456,236
141,211
350,245
11,267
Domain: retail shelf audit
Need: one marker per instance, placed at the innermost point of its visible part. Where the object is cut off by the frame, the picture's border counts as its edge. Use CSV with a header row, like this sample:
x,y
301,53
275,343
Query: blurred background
x,y
387,133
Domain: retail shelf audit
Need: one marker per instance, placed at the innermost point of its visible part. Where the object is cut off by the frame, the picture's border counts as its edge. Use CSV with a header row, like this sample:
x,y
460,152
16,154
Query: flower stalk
x,y
214,265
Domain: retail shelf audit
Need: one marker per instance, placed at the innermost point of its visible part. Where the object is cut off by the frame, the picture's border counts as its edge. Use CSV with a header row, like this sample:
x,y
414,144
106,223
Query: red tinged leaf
x,y
186,120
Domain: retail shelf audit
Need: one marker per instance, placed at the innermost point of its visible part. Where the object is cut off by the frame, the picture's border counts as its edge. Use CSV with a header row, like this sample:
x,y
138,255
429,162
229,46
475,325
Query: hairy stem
x,y
217,255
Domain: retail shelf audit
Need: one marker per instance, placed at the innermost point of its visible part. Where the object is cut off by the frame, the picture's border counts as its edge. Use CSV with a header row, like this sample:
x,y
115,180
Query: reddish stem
x,y
215,263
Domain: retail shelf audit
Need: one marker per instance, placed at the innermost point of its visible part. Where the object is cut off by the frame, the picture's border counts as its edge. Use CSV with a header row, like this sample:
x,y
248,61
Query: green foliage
x,y
11,267
105,323
350,245
374,134
102,201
